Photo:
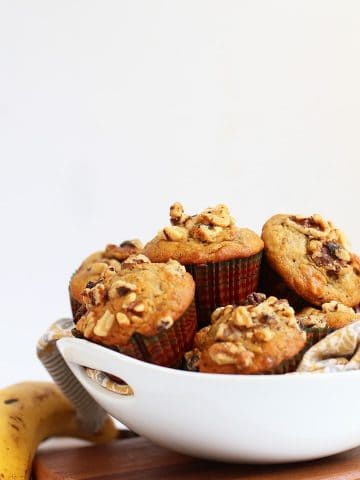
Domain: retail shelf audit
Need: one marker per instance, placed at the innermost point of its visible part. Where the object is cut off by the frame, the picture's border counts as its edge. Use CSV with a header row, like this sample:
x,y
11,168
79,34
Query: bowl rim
x,y
219,377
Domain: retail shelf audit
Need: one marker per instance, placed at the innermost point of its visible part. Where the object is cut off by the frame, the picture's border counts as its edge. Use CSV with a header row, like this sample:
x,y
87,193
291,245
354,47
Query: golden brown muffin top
x,y
140,298
210,236
94,265
313,257
332,315
248,339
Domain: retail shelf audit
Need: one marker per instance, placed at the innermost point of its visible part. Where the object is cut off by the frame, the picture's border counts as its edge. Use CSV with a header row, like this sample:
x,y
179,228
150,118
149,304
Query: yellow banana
x,y
31,412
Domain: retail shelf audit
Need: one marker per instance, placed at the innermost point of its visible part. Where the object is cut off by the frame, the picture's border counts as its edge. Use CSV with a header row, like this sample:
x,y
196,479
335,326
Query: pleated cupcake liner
x,y
218,284
271,283
289,365
315,334
168,346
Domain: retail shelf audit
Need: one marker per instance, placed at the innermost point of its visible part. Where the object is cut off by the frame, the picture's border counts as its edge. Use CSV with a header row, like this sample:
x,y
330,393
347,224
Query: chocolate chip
x,y
254,299
332,248
92,284
9,401
123,291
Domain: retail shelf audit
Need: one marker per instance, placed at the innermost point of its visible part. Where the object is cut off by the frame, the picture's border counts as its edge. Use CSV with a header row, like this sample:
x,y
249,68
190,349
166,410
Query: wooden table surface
x,y
138,459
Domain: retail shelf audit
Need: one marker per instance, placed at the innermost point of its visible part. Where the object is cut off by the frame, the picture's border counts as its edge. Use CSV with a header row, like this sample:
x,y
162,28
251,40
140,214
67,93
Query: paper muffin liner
x,y
315,334
167,347
223,283
271,283
290,365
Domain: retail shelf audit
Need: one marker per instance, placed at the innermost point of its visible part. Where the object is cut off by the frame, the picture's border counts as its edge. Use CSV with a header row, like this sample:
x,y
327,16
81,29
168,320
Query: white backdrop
x,y
112,110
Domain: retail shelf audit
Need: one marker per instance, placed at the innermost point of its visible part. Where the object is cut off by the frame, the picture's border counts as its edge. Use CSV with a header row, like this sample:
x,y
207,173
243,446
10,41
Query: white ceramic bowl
x,y
233,418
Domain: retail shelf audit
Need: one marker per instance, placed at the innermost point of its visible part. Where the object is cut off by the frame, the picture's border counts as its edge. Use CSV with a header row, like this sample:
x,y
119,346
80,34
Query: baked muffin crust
x,y
313,258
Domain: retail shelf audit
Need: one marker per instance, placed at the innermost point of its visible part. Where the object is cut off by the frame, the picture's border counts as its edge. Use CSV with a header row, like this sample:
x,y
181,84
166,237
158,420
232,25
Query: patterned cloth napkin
x,y
337,352
90,414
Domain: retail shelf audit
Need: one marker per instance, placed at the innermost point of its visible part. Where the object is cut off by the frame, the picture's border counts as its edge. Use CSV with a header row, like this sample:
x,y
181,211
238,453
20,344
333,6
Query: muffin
x,y
145,310
262,336
94,265
223,259
319,323
313,258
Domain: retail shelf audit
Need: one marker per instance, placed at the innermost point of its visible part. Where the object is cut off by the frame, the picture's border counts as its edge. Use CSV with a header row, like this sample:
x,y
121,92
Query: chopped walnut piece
x,y
90,324
136,259
242,317
175,234
122,319
104,324
94,294
177,215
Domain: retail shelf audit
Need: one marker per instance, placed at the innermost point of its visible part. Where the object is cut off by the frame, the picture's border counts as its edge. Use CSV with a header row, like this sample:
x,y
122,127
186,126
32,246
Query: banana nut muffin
x,y
248,339
144,310
95,264
313,258
223,259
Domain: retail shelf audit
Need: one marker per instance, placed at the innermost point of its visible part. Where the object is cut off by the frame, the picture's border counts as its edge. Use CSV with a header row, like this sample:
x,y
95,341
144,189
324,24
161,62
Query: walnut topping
x,y
97,268
334,306
175,234
94,294
136,259
242,318
129,299
122,251
165,323
208,226
139,307
90,324
205,233
177,216
218,216
230,353
104,324
122,319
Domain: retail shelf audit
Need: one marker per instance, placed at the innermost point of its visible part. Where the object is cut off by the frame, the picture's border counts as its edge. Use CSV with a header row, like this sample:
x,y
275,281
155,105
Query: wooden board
x,y
138,459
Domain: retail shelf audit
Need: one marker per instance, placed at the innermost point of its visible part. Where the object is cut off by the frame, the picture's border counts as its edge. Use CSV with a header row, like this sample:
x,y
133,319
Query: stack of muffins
x,y
187,299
